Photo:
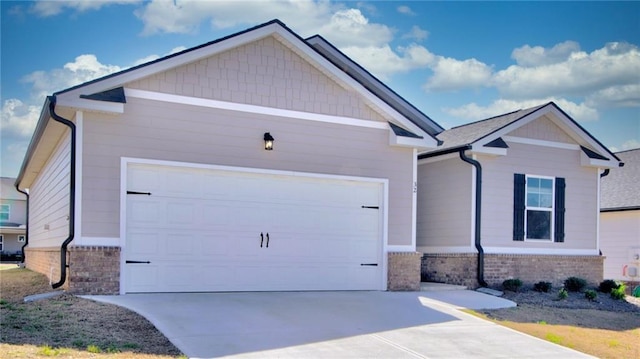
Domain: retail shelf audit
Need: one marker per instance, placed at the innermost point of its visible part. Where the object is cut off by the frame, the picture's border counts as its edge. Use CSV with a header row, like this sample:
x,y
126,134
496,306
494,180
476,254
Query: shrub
x,y
563,294
620,292
542,287
606,286
590,294
512,284
575,284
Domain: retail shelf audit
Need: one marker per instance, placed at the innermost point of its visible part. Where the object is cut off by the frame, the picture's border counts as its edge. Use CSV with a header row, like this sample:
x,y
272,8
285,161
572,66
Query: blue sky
x,y
456,61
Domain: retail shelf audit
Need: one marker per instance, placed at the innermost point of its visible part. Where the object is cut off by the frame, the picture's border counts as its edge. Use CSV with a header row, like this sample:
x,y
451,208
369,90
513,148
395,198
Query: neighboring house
x,y
620,219
513,196
13,215
260,161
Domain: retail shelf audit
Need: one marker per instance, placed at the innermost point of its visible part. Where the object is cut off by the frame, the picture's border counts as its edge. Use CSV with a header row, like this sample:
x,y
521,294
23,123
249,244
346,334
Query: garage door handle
x,y
369,264
267,239
261,239
139,262
136,192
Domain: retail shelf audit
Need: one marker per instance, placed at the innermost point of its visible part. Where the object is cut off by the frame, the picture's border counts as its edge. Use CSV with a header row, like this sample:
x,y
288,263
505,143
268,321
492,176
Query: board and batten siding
x,y
581,216
444,204
262,73
175,132
49,199
619,242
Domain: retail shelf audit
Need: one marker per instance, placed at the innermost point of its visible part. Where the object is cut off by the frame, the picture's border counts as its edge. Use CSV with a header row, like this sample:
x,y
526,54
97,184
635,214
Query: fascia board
x,y
90,105
412,142
493,151
593,162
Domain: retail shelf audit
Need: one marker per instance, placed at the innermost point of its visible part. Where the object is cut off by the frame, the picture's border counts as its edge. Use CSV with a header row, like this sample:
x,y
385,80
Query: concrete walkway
x,y
335,325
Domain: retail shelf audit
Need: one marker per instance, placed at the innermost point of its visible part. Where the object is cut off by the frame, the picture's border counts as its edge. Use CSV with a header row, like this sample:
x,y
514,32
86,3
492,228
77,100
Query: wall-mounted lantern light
x,y
268,141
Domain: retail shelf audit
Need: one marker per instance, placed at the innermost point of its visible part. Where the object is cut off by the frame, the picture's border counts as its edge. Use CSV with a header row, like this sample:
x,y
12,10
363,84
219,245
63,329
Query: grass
x,y
70,327
601,343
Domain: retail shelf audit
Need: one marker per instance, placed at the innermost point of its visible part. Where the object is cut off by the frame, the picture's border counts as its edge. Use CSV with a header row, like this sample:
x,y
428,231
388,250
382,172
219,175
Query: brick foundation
x,y
92,269
403,271
45,261
462,268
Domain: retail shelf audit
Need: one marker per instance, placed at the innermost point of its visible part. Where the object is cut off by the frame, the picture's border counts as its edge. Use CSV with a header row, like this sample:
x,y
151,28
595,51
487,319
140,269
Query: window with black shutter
x,y
538,208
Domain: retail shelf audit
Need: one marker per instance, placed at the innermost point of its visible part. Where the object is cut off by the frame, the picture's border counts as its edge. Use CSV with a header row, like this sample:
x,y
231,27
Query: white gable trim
x,y
561,120
262,110
531,141
90,105
279,32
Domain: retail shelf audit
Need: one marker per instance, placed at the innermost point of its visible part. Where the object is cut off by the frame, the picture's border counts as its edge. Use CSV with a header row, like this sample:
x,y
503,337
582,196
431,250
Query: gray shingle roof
x,y
621,188
472,132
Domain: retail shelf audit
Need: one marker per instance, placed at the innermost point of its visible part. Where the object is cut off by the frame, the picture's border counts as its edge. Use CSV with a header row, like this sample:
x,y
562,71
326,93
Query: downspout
x,y
26,232
72,194
604,173
478,211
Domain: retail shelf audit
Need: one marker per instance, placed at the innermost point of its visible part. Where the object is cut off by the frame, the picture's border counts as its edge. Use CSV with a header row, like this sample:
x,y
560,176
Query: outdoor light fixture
x,y
268,141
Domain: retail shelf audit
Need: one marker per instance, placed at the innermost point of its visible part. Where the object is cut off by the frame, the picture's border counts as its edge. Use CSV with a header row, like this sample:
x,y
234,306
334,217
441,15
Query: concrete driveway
x,y
335,325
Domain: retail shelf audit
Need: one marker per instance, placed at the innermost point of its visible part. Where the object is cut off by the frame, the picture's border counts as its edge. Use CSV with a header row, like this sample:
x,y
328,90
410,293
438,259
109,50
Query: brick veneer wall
x,y
94,270
45,261
403,271
462,268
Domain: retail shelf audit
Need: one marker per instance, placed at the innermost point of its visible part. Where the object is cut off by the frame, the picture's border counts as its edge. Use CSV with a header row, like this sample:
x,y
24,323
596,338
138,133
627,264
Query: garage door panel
x,y
201,231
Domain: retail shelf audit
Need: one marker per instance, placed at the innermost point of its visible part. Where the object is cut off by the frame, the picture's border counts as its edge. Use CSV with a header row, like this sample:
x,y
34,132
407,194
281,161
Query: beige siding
x,y
444,204
620,242
581,214
174,132
49,199
263,73
542,129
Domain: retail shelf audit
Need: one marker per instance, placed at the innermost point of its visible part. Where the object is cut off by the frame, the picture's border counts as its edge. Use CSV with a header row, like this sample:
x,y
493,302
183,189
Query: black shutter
x,y
559,210
518,206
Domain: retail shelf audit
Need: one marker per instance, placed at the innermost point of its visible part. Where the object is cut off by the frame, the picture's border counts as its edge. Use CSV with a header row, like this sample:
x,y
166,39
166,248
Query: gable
x,y
543,129
262,73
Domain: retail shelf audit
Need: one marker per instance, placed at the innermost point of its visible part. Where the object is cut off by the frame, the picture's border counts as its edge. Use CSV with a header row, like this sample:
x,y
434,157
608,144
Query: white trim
x,y
541,251
91,105
531,141
594,162
79,122
472,235
281,34
447,249
400,248
100,241
126,161
479,149
598,178
261,110
414,200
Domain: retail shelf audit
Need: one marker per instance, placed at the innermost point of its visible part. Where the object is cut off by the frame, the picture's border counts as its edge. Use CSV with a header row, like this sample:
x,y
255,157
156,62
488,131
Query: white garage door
x,y
193,230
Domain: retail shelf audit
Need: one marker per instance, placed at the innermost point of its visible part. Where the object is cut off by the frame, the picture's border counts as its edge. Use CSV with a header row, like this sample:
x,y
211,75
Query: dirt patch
x,y
605,327
68,321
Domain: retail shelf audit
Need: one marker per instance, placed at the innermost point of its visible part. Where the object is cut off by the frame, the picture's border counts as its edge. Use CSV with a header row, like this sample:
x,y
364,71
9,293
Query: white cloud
x,y
46,8
383,62
450,74
527,56
416,33
83,69
616,96
474,112
581,73
403,9
18,118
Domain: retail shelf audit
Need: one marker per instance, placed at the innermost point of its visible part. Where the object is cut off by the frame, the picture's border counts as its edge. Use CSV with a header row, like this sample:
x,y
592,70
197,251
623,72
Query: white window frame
x,y
21,238
2,211
546,209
